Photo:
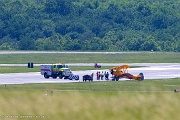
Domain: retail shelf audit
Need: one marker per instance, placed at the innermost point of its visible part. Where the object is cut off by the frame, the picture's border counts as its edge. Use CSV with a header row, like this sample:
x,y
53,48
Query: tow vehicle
x,y
87,77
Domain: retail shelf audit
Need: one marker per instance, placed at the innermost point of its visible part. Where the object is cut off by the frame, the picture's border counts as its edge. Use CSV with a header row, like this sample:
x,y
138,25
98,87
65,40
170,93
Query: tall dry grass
x,y
63,105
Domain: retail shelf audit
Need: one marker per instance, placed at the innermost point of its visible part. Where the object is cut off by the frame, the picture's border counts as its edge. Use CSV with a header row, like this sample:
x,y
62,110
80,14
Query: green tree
x,y
25,43
62,7
90,25
150,44
52,43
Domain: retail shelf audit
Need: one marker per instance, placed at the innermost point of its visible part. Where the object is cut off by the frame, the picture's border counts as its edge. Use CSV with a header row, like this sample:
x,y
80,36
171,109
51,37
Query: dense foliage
x,y
111,25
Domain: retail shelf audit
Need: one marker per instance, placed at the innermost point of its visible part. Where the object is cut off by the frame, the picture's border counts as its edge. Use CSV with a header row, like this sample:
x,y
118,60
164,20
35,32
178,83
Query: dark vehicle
x,y
87,77
97,66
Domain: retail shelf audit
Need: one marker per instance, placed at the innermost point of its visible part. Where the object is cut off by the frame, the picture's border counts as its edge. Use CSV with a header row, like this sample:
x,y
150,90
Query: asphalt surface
x,y
151,71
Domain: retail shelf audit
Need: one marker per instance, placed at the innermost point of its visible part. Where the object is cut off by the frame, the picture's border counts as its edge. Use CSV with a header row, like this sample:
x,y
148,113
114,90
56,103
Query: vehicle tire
x,y
54,76
45,75
142,78
76,77
116,78
60,76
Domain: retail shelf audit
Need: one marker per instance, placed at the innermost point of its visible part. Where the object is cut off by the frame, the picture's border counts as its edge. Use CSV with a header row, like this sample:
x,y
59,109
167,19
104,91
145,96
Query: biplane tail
x,y
139,77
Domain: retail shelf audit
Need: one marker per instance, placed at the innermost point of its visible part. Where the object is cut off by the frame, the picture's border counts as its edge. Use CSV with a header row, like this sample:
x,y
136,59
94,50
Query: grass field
x,y
48,58
152,100
127,100
131,57
22,69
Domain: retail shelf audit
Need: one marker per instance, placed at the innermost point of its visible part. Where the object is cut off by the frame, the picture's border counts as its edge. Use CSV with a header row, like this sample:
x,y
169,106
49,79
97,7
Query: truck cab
x,y
64,72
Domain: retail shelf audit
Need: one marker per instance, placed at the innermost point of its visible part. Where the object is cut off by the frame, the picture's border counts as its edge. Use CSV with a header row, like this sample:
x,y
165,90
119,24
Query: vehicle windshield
x,y
61,66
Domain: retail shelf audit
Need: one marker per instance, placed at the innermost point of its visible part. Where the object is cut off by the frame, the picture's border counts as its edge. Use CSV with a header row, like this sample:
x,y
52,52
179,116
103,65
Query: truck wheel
x,y
54,76
60,76
45,75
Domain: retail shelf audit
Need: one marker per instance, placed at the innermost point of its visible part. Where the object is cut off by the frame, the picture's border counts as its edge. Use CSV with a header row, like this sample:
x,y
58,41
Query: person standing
x,y
105,73
107,76
97,74
112,72
102,75
92,75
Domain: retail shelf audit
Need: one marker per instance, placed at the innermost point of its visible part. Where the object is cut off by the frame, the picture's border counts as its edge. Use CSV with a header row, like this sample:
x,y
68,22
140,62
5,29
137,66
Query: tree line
x,y
90,25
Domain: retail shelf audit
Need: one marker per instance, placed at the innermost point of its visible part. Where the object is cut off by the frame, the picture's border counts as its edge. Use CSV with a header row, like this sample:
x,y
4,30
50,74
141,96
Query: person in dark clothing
x,y
97,74
112,72
107,76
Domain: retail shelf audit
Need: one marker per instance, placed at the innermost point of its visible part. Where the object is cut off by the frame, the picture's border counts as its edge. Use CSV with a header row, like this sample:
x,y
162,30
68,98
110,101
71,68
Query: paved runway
x,y
152,71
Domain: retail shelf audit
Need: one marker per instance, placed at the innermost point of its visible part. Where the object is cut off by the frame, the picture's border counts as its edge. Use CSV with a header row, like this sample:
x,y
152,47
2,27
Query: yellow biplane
x,y
122,72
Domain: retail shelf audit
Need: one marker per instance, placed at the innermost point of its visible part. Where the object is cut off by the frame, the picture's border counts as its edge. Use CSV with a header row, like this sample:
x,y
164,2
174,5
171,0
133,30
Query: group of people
x,y
102,75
